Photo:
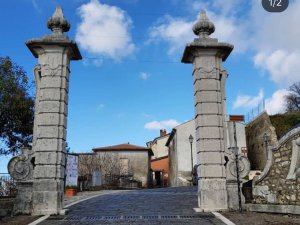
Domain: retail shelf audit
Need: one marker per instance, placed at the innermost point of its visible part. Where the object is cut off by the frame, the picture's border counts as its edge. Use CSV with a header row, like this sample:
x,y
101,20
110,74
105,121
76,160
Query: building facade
x,y
125,165
182,162
160,160
182,154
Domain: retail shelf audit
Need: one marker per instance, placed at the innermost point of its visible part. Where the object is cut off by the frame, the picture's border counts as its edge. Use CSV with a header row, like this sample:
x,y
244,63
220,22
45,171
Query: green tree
x,y
16,108
293,98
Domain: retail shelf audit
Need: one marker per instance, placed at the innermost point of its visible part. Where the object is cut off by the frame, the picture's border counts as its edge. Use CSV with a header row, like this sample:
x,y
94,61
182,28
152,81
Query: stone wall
x,y
255,141
6,206
280,181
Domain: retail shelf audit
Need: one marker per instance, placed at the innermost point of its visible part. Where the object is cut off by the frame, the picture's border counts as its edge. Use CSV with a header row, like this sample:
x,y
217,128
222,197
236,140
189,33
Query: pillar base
x,y
47,202
233,198
23,201
212,195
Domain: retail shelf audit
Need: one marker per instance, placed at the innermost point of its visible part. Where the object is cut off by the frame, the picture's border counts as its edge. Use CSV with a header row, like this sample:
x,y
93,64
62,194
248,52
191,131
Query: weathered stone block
x,y
212,194
207,85
233,197
210,158
212,171
47,202
210,133
205,60
208,108
51,131
53,94
205,74
53,107
209,121
23,201
51,119
211,145
50,158
208,96
49,145
46,185
54,82
49,171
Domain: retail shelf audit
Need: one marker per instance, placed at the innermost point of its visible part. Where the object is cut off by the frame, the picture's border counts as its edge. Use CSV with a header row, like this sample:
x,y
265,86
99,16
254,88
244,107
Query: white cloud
x,y
176,31
96,61
276,104
164,124
275,40
144,76
273,105
247,101
221,6
283,66
104,30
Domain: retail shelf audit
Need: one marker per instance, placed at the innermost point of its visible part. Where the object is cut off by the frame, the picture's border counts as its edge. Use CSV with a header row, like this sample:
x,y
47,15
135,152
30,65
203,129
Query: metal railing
x,y
255,112
7,185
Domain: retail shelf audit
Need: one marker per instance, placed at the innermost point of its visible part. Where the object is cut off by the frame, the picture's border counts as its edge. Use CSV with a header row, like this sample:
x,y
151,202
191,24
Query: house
x,y
124,164
160,159
182,154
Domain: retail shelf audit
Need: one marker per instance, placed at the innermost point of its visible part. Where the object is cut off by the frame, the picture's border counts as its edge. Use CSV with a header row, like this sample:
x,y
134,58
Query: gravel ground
x,y
253,218
18,220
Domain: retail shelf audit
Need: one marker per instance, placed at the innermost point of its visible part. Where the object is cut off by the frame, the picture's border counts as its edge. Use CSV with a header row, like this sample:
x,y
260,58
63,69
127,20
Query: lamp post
x,y
191,138
266,141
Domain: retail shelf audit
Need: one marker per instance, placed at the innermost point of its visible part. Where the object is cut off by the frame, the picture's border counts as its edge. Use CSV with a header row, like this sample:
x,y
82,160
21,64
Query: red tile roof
x,y
237,118
123,147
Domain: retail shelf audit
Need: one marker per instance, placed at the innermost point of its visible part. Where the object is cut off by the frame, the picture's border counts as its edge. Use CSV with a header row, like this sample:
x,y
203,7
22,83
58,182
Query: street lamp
x,y
266,140
191,138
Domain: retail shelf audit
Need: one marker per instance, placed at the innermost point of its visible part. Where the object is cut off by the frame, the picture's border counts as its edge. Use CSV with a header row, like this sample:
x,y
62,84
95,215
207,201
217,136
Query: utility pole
x,y
237,166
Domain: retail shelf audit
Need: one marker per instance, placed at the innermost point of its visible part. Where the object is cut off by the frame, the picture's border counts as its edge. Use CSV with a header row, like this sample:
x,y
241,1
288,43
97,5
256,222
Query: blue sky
x,y
131,83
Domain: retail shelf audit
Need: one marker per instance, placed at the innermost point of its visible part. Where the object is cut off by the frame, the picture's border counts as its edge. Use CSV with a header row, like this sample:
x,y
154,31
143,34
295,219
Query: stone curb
x,y
39,220
223,218
269,208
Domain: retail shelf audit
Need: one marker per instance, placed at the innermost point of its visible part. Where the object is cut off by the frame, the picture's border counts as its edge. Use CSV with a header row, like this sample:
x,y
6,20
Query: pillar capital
x,y
58,24
204,44
203,27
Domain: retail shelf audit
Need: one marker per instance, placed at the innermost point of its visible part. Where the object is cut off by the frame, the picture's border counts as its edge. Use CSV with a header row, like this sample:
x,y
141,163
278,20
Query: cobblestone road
x,y
151,206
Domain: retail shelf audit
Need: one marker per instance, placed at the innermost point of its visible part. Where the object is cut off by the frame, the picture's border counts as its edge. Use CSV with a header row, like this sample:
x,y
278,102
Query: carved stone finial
x,y
57,23
203,27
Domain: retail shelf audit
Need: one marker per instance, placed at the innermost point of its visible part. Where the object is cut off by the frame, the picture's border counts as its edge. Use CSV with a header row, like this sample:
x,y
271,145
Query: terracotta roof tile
x,y
122,147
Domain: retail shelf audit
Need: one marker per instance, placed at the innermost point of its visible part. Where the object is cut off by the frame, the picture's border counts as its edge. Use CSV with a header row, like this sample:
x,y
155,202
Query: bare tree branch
x,y
293,99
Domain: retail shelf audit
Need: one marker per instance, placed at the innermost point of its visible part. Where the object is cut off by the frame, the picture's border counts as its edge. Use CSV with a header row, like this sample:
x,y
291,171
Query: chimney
x,y
163,132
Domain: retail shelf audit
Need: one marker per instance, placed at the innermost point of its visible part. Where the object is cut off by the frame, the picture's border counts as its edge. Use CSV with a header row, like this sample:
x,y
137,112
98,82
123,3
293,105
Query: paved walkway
x,y
151,206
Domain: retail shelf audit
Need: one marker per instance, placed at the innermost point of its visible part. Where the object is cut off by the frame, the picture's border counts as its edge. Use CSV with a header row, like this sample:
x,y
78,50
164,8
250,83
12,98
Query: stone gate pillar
x,y
54,53
206,54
